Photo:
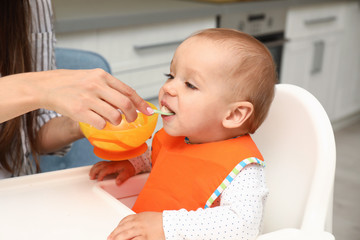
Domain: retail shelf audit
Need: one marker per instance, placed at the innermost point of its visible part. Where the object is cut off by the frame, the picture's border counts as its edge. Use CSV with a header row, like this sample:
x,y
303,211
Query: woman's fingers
x,y
114,95
88,95
139,103
91,118
118,102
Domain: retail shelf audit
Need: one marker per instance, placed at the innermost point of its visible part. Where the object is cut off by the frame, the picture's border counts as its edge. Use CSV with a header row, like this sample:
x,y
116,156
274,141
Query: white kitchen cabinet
x,y
138,55
312,64
347,99
317,56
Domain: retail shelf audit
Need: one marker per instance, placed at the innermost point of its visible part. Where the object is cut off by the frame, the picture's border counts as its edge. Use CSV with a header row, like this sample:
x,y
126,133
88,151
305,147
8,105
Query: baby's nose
x,y
170,87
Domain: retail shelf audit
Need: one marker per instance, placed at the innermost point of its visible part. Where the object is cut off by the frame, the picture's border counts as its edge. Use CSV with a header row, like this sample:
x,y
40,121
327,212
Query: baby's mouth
x,y
166,110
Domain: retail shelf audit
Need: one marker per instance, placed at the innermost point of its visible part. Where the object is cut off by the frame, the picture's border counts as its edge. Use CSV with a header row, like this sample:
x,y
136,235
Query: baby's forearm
x,y
215,223
142,163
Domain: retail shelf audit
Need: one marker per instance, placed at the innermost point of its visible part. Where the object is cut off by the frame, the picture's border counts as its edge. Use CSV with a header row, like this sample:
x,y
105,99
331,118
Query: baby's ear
x,y
237,115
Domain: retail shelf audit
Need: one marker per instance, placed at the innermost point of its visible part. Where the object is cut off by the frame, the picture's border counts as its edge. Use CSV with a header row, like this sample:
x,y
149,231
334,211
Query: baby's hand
x,y
145,225
123,170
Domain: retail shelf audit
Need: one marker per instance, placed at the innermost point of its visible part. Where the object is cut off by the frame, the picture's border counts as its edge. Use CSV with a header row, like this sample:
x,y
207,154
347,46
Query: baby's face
x,y
195,91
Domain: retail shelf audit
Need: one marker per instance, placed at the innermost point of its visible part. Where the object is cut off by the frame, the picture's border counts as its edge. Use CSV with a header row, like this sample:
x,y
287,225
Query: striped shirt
x,y
42,35
43,42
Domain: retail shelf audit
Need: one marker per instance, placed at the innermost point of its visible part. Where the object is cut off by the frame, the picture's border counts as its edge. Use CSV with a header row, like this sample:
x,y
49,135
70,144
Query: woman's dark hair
x,y
16,57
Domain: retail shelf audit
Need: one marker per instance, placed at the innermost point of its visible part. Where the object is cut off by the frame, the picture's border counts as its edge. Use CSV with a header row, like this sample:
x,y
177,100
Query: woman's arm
x,y
58,133
16,97
91,96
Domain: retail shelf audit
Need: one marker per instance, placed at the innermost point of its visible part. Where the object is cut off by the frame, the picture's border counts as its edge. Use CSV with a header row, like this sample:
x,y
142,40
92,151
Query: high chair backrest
x,y
298,146
68,58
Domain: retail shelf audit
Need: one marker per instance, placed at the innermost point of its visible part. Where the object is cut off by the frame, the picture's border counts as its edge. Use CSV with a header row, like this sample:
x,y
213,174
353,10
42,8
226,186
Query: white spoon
x,y
163,113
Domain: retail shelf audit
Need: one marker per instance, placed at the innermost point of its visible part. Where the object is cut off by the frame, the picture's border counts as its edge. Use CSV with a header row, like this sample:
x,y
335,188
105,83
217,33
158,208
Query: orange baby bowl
x,y
124,141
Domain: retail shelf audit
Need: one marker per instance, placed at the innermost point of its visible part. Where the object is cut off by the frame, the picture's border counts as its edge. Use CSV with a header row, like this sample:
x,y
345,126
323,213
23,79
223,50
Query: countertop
x,y
80,15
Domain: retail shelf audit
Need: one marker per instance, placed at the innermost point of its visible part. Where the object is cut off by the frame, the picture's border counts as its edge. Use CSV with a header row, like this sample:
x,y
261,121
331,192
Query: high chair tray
x,y
58,205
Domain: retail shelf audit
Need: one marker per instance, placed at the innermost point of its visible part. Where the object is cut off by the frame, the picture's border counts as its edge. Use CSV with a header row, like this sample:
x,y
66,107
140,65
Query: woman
x,y
26,128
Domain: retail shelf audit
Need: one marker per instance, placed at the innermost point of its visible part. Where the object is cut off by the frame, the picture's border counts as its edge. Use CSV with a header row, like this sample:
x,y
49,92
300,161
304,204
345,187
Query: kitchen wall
x,y
139,37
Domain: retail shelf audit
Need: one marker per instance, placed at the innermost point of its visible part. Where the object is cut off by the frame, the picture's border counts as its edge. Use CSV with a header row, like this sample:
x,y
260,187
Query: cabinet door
x,y
348,79
146,81
312,63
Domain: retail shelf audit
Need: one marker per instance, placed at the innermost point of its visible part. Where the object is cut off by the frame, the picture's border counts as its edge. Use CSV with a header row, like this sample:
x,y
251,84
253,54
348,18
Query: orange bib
x,y
186,175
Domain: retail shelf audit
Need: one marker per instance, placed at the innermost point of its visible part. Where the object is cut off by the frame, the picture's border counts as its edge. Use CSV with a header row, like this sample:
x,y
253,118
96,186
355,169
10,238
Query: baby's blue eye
x,y
169,76
189,85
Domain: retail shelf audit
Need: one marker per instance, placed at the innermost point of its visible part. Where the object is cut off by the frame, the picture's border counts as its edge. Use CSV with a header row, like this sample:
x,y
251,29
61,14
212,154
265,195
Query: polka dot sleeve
x,y
142,163
239,215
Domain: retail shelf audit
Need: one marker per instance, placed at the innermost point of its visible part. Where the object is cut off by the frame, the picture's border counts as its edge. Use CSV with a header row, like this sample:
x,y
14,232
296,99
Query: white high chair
x,y
297,142
298,146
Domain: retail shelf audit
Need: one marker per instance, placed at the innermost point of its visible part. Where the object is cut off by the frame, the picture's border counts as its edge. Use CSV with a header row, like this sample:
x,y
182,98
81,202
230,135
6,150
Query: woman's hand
x,y
145,225
122,169
91,96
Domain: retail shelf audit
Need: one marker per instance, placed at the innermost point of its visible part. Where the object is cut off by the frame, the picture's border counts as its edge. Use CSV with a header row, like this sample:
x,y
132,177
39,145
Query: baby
x,y
207,179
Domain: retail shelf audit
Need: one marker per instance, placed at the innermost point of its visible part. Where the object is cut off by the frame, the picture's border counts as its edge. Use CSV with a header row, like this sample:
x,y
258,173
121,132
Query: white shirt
x,y
239,215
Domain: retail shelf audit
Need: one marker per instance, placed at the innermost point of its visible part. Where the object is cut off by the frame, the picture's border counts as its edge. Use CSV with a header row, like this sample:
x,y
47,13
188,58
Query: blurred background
x,y
315,44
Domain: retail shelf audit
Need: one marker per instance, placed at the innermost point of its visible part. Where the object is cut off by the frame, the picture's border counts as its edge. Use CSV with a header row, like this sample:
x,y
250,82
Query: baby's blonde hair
x,y
252,73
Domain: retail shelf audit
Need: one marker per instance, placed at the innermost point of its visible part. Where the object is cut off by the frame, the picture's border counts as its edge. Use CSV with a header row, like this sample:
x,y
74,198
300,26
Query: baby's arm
x,y
238,216
122,169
